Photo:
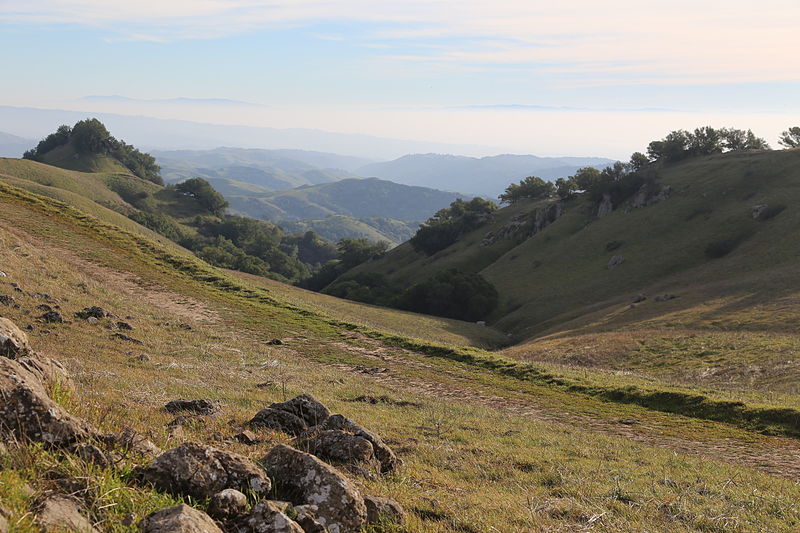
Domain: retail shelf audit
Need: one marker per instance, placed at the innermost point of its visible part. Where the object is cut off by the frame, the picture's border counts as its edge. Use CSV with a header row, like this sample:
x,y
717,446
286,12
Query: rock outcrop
x,y
28,412
13,341
337,446
383,454
305,480
202,471
292,416
179,519
615,261
203,406
383,510
526,225
605,207
228,504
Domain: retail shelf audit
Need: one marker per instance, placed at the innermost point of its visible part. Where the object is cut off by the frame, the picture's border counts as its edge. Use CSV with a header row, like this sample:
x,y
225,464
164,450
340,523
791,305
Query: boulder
x,y
202,407
201,471
52,317
383,510
27,411
49,372
62,513
13,341
179,519
306,517
665,297
305,407
129,442
337,446
7,299
228,504
384,455
268,518
303,479
92,312
279,421
615,261
247,437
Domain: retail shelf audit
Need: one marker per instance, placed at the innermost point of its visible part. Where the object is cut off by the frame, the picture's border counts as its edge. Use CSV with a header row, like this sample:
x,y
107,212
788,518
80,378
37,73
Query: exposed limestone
x,y
179,519
201,471
605,206
304,479
526,225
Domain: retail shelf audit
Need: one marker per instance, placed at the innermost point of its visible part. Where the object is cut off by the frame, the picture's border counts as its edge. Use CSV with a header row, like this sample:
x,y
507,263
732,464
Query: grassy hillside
x,y
336,227
483,450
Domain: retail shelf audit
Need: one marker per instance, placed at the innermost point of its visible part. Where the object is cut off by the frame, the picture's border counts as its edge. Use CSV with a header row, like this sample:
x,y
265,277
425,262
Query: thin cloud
x,y
627,41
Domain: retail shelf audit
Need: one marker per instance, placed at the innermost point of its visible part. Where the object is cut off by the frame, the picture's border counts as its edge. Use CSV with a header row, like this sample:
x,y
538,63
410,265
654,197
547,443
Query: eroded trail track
x,y
404,371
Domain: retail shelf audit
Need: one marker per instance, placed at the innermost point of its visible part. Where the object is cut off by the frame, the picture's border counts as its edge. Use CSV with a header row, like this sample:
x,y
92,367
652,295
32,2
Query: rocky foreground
x,y
300,488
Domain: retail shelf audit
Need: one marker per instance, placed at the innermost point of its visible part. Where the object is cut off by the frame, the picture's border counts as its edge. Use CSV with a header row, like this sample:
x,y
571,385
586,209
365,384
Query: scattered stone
x,y
28,412
228,504
757,210
129,441
275,342
92,454
639,298
184,419
62,513
337,446
665,297
179,519
615,261
124,337
44,307
187,327
49,372
92,320
306,517
7,299
374,400
125,326
303,479
267,518
201,471
143,358
92,312
385,456
383,510
279,421
371,370
202,407
13,341
766,212
247,437
52,317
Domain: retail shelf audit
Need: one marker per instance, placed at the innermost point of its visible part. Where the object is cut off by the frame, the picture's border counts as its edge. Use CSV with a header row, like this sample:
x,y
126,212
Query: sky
x,y
573,78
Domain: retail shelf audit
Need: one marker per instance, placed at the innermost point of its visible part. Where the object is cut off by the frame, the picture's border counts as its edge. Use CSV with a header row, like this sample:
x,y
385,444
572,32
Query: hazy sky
x,y
588,78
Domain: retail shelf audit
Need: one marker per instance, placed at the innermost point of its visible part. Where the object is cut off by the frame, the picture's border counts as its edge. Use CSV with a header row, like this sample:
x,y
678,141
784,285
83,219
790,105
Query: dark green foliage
x,y
681,144
90,137
444,228
790,138
351,253
618,181
311,248
532,188
159,223
204,193
453,294
52,141
371,288
566,188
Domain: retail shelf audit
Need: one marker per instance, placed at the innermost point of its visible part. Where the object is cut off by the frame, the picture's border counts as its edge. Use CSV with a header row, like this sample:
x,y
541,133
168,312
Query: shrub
x,y
444,228
453,294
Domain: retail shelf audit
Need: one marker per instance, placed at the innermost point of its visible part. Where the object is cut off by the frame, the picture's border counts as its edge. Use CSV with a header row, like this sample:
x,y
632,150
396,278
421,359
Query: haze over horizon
x,y
511,77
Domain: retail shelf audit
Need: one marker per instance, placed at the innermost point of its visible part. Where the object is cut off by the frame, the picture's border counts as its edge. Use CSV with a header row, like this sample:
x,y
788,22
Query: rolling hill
x,y
486,442
13,146
486,176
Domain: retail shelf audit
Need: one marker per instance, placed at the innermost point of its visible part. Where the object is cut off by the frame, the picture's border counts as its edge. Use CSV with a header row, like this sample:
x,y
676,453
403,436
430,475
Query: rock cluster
x,y
526,225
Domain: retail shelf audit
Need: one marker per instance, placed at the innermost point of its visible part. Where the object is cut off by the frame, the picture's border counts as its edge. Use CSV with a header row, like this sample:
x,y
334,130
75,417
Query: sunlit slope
x,y
562,273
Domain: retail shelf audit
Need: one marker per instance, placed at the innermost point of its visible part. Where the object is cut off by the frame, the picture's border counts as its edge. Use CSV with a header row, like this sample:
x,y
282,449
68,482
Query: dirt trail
x,y
778,456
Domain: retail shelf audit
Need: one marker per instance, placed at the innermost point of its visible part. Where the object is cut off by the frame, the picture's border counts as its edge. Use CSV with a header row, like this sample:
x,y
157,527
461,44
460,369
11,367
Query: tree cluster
x,y
531,188
204,193
449,223
351,253
90,136
682,144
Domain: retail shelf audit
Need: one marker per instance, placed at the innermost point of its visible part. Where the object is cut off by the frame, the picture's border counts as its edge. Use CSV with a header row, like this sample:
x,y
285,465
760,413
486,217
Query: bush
x,y
453,294
444,228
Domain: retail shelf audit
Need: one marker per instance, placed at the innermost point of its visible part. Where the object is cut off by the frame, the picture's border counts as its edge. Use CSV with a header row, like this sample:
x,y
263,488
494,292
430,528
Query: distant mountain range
x,y
486,176
13,146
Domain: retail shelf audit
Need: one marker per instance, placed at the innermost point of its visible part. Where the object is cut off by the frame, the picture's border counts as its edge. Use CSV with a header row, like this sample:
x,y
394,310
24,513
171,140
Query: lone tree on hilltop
x,y
204,193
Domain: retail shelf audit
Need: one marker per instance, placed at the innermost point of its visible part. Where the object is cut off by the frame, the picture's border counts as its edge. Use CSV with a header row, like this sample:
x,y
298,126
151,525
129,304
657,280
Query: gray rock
x,y
92,320
179,519
49,372
247,437
305,407
304,479
7,299
337,446
615,261
279,420
385,456
383,510
130,442
13,341
52,317
228,504
268,518
306,517
62,513
201,471
202,407
92,312
665,297
27,411
605,206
